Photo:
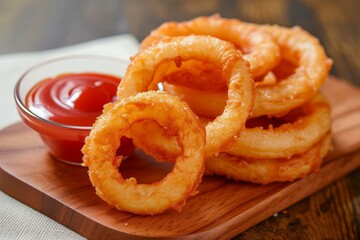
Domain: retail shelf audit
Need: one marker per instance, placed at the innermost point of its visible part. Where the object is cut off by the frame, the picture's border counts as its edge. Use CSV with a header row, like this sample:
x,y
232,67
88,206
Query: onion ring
x,y
100,153
268,170
258,47
235,72
289,138
313,66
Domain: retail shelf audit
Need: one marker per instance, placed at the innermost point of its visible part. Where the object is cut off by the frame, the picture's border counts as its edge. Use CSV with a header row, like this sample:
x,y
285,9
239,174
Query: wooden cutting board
x,y
222,209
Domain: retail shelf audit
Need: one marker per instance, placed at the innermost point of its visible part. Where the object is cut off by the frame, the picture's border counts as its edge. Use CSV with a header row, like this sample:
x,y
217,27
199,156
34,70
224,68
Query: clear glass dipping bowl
x,y
64,142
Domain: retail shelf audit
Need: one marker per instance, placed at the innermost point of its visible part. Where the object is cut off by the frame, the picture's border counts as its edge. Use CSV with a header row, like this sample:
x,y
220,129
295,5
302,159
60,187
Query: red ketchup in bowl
x,y
74,99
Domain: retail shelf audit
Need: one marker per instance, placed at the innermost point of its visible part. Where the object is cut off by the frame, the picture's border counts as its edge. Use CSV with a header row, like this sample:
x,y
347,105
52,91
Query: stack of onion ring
x,y
264,170
280,149
254,90
268,149
275,97
290,80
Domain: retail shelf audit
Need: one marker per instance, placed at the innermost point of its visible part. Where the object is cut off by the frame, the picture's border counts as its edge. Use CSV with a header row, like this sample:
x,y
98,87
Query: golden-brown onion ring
x,y
258,47
313,66
289,138
235,72
100,153
270,170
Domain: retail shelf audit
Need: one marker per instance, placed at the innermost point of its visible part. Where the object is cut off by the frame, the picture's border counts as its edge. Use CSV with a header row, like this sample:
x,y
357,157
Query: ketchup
x,y
74,99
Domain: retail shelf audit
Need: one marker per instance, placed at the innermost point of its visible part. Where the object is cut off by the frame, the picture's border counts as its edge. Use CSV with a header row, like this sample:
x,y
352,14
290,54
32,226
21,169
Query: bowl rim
x,y
27,111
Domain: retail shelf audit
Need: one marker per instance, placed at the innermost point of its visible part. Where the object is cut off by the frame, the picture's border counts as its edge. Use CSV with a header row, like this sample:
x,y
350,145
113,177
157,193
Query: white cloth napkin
x,y
18,221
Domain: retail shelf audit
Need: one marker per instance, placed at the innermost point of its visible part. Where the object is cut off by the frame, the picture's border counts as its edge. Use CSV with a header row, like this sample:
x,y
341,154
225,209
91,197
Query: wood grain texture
x,y
221,210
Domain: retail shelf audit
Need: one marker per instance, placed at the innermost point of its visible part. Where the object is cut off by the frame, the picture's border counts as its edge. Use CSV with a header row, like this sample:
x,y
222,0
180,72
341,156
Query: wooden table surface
x,y
333,212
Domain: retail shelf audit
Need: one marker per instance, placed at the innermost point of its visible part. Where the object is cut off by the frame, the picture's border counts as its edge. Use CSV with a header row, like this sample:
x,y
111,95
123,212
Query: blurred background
x,y
32,25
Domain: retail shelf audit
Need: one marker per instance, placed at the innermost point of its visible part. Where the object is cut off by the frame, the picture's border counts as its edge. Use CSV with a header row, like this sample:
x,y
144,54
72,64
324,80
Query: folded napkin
x,y
18,221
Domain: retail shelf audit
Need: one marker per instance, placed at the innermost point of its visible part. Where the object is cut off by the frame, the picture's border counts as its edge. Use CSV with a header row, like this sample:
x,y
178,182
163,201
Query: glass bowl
x,y
63,141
